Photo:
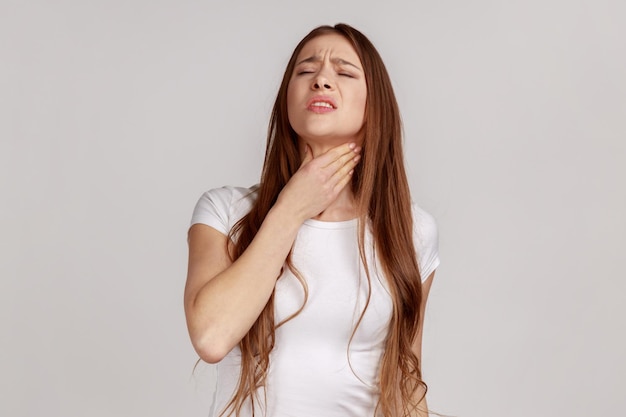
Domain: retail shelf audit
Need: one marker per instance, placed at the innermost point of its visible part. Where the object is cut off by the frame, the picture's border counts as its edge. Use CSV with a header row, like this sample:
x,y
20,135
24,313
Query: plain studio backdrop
x,y
116,115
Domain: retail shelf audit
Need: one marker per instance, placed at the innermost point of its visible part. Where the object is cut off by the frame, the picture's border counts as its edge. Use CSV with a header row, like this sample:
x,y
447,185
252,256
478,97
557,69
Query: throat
x,y
342,209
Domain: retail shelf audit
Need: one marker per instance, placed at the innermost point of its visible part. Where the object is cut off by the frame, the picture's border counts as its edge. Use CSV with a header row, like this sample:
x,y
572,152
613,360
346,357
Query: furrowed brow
x,y
314,58
336,61
340,61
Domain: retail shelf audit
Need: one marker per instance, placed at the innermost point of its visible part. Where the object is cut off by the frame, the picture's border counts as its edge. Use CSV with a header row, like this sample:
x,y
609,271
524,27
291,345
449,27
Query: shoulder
x,y
222,207
426,240
228,193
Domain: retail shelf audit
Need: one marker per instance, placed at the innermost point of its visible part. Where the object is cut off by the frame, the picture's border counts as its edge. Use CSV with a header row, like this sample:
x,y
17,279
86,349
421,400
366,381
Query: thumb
x,y
308,154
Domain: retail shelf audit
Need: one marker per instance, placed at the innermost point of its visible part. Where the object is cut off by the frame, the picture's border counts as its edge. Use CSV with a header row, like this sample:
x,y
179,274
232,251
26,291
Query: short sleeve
x,y
426,238
213,209
222,207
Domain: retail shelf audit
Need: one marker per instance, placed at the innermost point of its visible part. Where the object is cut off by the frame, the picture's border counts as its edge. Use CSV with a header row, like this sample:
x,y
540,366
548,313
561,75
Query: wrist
x,y
284,216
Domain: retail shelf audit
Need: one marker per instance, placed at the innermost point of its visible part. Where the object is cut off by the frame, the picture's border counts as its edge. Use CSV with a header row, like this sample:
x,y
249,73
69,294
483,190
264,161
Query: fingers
x,y
340,164
342,176
339,155
337,164
343,181
349,159
320,179
345,162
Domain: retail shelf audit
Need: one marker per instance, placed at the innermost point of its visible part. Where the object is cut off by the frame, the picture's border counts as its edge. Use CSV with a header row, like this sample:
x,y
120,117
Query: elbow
x,y
210,350
211,338
209,355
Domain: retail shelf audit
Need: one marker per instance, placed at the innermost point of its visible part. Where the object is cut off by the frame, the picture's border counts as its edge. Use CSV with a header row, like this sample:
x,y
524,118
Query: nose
x,y
321,83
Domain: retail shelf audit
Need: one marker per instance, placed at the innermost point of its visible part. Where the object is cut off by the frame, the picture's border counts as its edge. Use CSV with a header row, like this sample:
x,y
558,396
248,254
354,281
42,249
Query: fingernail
x,y
357,149
352,145
356,158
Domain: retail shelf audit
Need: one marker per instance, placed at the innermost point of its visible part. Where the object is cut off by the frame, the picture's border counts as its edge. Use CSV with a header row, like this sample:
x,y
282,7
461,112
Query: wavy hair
x,y
383,200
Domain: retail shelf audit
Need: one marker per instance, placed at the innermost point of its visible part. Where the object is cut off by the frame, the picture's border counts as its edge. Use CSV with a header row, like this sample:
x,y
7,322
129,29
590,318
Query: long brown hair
x,y
382,197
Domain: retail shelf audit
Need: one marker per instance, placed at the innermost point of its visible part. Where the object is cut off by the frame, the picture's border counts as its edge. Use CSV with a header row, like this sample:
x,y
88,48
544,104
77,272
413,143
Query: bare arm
x,y
223,299
422,408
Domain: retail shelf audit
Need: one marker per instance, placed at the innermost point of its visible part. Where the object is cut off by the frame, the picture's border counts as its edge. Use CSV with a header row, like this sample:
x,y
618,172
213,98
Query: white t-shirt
x,y
314,371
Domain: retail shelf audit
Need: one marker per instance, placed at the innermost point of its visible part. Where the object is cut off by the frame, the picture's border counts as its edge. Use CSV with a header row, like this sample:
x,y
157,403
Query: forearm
x,y
225,307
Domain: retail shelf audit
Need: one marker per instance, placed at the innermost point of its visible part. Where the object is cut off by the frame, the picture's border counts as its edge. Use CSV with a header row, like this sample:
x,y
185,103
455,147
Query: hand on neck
x,y
344,206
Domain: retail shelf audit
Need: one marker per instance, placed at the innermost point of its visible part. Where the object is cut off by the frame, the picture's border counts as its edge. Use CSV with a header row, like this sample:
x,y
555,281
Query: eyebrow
x,y
337,61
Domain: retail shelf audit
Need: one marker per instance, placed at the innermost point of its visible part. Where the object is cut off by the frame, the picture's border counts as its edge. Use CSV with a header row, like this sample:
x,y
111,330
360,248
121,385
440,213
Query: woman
x,y
309,289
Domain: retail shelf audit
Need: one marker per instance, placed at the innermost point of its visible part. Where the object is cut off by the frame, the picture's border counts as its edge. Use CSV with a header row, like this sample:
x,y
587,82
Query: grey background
x,y
116,115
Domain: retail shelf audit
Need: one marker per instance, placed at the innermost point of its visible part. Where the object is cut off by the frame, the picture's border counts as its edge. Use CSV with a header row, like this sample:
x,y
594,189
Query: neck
x,y
343,208
321,146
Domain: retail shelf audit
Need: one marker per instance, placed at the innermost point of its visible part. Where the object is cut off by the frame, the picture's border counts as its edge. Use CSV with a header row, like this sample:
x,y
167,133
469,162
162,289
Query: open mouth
x,y
321,103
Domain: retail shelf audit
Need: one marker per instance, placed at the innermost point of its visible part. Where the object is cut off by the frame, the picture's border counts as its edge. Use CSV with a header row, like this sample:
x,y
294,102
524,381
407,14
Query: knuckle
x,y
322,177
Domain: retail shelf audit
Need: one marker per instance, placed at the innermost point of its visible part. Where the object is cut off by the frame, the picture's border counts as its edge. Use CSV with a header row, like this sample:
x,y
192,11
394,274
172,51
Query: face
x,y
327,93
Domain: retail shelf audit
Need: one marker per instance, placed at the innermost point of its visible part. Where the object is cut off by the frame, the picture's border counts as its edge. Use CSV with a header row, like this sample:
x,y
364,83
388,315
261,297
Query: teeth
x,y
322,104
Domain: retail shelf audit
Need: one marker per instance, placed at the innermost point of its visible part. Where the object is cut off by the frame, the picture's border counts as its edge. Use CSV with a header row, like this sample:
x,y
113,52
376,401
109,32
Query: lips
x,y
321,104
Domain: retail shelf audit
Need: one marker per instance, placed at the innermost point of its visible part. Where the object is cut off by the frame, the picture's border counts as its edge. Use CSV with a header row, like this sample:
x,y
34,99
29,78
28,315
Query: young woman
x,y
308,290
